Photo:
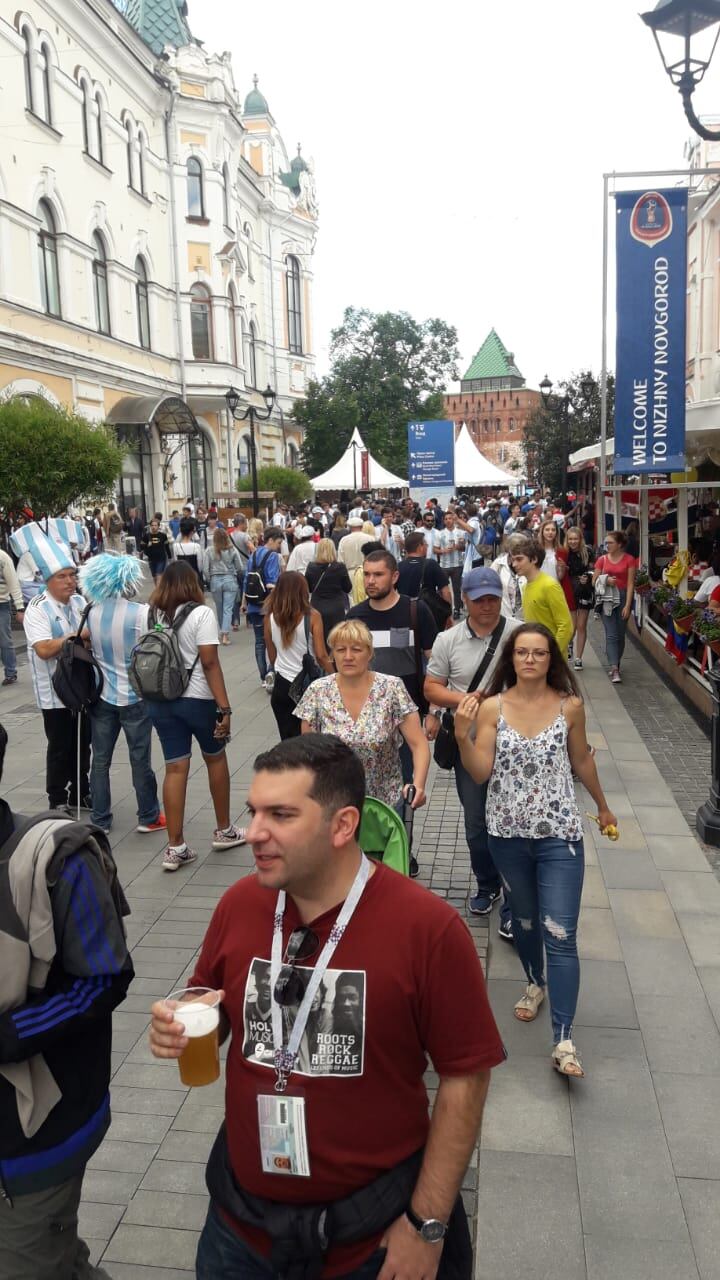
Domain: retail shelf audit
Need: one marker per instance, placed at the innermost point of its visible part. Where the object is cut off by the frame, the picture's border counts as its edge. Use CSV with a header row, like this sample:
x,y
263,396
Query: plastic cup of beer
x,y
198,1008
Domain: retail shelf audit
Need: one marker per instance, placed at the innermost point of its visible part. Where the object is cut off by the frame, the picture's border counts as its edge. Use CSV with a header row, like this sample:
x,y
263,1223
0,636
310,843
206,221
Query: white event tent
x,y
347,472
473,469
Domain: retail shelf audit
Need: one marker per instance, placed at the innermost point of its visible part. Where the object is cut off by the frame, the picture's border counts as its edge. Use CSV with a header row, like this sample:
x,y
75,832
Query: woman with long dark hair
x,y
202,712
292,629
579,576
529,739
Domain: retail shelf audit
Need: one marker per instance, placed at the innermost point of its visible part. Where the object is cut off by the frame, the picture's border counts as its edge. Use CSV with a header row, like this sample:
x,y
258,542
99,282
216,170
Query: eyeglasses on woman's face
x,y
536,655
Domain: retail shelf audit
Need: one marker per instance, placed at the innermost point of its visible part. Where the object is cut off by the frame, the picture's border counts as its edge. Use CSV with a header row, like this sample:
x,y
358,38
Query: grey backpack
x,y
157,671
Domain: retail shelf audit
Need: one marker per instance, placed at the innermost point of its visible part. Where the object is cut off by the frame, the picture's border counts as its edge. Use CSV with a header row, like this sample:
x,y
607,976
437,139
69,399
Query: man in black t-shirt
x,y
388,615
416,572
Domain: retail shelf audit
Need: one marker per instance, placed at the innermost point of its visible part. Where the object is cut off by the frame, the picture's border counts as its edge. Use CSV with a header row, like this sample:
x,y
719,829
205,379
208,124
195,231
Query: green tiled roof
x,y
159,22
493,360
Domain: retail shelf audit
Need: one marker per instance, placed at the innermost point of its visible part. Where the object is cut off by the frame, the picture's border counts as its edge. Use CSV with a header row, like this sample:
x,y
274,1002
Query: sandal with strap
x,y
526,1009
566,1060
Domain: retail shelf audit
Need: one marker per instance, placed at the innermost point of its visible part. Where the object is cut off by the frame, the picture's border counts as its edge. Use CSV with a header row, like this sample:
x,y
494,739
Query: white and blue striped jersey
x,y
115,628
47,619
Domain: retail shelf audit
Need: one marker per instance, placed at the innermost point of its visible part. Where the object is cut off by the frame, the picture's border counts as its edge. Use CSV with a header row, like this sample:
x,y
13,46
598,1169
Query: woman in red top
x,y
620,570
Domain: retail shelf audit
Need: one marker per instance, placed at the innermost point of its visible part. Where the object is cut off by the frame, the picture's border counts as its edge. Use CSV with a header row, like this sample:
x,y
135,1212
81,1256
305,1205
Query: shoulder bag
x,y
309,672
446,750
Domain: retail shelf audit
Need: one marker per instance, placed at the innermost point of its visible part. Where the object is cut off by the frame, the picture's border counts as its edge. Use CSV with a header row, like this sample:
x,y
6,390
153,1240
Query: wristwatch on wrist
x,y
226,711
434,711
432,1230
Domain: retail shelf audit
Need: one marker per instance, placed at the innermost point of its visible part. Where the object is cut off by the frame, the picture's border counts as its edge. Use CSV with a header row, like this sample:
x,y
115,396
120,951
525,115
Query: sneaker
x,y
414,868
10,679
229,838
482,903
578,664
505,930
174,858
270,681
615,677
158,825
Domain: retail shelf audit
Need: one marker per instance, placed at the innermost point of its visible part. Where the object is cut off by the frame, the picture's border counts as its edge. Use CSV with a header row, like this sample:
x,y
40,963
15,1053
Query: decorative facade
x,y
156,243
495,403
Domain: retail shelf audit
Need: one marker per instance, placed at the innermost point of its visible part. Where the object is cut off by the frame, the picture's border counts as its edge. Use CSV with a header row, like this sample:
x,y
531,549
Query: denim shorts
x,y
181,720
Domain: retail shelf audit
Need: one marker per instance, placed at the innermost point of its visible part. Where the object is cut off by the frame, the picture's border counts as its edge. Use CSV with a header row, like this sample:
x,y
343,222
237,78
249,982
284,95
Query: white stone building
x,y
156,243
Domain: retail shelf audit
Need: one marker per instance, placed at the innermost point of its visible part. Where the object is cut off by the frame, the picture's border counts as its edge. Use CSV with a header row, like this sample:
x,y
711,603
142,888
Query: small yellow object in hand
x,y
611,832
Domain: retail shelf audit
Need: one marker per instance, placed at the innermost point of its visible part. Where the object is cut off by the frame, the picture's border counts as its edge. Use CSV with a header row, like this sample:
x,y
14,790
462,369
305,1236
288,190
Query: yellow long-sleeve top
x,y
544,601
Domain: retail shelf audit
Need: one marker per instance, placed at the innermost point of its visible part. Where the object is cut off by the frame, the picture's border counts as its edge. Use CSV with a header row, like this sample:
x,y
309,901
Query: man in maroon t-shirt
x,y
380,974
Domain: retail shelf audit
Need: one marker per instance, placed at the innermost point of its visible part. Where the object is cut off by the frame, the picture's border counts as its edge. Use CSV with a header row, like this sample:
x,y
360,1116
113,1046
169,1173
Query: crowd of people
x,y
383,633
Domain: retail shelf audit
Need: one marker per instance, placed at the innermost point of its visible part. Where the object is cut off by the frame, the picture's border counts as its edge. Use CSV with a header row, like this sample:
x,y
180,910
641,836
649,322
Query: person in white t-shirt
x,y
431,535
202,712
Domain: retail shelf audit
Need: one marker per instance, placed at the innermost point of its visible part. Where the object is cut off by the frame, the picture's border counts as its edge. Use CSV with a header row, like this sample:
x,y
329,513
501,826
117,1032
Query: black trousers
x,y
61,731
283,707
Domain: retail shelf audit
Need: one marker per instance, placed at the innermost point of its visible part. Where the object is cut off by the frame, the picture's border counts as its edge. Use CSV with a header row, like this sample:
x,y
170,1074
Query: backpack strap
x,y
176,624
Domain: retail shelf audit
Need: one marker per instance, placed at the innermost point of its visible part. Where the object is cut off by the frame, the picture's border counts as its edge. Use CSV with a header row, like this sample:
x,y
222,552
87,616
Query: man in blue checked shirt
x,y
115,624
55,1034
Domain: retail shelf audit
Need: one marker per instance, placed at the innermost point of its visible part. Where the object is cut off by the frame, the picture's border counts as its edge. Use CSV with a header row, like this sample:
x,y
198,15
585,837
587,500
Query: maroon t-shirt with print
x,y
405,984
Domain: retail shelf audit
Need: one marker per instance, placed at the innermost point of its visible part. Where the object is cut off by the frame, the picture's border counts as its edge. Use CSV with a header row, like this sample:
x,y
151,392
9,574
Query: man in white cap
x,y
49,619
304,550
350,551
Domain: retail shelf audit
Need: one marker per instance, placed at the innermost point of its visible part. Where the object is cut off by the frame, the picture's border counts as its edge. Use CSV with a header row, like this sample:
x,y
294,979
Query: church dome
x,y
297,164
255,103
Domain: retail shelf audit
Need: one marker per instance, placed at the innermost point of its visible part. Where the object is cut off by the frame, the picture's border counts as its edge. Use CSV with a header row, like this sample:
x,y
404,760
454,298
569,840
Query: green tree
x,y
385,370
545,434
51,459
290,486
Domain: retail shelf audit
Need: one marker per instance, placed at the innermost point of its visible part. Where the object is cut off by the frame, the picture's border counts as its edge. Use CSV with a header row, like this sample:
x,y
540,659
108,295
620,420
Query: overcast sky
x,y
459,150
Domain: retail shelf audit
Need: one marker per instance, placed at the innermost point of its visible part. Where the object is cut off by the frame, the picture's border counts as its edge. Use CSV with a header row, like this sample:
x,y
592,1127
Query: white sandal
x,y
526,1009
566,1060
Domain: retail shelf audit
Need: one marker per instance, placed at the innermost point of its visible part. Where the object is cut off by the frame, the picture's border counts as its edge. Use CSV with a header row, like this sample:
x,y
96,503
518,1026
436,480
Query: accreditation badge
x,y
283,1134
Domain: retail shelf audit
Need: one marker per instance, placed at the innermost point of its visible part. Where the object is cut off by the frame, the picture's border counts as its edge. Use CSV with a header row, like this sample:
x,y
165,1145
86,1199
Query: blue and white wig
x,y
107,577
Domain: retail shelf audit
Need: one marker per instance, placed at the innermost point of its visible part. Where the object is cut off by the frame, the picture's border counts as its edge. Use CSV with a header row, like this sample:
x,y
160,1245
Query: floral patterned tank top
x,y
531,792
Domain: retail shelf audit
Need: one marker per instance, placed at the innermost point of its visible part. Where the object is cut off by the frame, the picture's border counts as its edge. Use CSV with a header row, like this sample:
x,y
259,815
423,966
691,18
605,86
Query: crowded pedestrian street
x,y
618,1173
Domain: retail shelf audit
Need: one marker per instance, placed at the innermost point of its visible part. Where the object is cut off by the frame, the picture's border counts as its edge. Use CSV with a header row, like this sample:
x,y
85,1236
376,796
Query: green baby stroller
x,y
386,836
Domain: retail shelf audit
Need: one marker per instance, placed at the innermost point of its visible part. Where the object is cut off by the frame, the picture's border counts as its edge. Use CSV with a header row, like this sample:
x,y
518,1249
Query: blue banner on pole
x,y
431,454
650,366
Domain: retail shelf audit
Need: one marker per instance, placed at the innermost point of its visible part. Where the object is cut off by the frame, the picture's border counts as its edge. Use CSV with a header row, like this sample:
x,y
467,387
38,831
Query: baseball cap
x,y
482,582
307,531
355,522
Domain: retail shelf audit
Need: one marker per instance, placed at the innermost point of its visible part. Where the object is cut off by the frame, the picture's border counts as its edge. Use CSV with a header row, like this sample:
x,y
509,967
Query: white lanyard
x,y
285,1055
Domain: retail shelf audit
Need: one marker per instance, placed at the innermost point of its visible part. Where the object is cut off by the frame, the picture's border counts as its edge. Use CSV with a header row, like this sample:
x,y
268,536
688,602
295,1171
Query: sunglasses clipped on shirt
x,y
290,988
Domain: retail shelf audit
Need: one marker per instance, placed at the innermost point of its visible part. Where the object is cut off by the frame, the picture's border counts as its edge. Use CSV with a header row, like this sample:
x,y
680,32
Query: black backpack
x,y
439,608
77,678
255,589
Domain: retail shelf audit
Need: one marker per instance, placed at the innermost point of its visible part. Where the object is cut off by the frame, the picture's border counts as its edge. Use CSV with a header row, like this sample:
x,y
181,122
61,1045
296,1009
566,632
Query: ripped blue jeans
x,y
545,879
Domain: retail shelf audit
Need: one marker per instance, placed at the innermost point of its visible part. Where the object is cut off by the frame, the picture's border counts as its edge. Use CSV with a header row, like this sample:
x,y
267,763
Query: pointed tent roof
x,y
474,467
346,472
493,360
159,22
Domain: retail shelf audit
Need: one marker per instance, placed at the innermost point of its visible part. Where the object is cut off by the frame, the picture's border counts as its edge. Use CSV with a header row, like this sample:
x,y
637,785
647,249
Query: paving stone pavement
x,y
618,1174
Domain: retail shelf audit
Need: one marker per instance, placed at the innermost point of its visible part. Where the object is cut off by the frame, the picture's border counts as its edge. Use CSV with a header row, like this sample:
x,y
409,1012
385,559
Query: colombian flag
x,y
676,642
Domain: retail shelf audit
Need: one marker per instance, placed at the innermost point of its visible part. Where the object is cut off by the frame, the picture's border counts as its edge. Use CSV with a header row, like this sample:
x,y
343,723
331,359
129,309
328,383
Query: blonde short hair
x,y
351,631
325,551
369,529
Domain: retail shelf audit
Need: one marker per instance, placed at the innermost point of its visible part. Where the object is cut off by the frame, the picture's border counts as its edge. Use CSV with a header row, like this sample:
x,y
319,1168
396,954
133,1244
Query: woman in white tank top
x,y
292,629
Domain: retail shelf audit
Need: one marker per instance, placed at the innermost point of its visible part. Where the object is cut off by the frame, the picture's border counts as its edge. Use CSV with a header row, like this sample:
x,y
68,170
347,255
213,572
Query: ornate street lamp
x,y
686,33
565,404
232,400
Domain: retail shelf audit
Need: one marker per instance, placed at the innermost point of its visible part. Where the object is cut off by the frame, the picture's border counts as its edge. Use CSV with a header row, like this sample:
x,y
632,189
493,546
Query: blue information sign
x,y
651,299
431,454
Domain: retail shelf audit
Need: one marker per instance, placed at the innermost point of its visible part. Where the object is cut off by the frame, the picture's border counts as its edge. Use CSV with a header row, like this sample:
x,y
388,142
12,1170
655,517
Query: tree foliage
x,y
289,485
545,441
52,459
385,370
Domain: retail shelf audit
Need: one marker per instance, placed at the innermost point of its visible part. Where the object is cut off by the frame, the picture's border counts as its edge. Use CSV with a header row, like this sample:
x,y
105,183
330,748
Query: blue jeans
x,y
473,796
238,599
107,721
615,627
223,1255
258,624
224,592
546,878
7,649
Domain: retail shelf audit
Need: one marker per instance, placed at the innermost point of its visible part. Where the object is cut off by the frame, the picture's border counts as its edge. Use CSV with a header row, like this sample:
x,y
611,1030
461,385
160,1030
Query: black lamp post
x,y
676,26
232,399
564,404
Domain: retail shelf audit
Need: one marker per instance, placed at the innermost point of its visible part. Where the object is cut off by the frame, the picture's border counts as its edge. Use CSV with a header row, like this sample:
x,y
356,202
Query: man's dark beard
x,y
380,595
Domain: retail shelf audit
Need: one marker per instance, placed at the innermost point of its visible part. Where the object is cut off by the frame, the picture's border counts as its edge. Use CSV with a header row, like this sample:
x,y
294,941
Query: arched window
x,y
232,327
294,305
100,284
292,455
251,358
201,322
247,232
511,424
141,146
486,424
227,196
27,60
130,150
143,306
98,130
195,194
47,253
497,424
45,109
244,456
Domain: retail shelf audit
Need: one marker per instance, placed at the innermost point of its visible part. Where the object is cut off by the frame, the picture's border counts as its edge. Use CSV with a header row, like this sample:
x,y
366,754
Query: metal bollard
x,y
707,821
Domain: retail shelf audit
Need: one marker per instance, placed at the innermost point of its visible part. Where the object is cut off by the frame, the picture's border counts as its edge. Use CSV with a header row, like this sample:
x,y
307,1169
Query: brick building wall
x,y
495,419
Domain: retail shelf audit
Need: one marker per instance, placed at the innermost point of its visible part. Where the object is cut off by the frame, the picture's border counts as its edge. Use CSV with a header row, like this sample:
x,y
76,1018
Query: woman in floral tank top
x,y
527,737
